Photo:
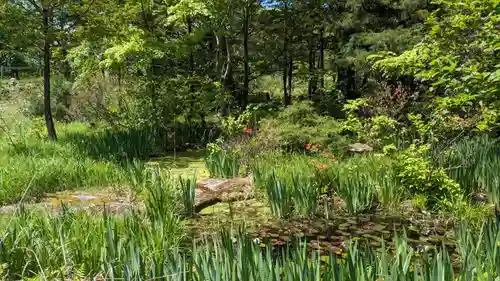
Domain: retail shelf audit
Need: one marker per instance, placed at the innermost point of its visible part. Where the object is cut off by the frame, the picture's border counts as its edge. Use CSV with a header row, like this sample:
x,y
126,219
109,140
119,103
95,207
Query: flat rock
x,y
360,147
212,191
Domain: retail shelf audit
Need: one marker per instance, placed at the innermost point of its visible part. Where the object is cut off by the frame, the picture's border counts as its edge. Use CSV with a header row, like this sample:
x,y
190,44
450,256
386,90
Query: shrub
x,y
61,99
376,130
234,126
298,125
418,175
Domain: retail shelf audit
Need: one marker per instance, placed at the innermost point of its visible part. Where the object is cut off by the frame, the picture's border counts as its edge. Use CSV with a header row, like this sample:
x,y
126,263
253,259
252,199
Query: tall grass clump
x,y
280,196
390,192
188,189
51,169
472,162
358,191
480,253
77,246
222,164
162,198
299,196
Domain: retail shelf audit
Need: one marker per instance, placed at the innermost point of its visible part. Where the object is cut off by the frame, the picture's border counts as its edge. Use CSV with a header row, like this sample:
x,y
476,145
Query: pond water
x,y
422,232
373,230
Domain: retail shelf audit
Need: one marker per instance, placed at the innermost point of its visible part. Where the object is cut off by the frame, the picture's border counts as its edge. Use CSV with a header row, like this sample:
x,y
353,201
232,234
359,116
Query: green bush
x,y
60,102
418,176
298,125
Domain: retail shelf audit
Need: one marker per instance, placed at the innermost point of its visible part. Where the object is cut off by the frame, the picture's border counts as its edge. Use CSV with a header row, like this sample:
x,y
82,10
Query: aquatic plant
x,y
220,163
188,189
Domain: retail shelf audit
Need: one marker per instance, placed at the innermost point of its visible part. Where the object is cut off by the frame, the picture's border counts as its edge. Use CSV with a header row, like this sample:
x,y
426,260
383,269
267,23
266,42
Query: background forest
x,y
349,140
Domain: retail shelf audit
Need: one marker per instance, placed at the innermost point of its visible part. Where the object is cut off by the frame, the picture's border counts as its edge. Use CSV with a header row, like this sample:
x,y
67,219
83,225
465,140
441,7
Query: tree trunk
x,y
192,96
218,64
321,59
227,77
286,55
290,73
49,121
246,70
191,56
312,85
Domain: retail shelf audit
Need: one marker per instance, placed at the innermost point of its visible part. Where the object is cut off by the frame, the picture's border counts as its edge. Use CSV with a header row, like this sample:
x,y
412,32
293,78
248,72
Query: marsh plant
x,y
60,247
390,192
358,191
473,163
161,198
280,196
221,163
299,197
188,190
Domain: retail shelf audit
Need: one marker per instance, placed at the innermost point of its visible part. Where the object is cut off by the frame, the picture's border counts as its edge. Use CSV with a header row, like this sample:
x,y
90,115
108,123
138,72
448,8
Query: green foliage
x,y
280,196
134,249
37,166
358,192
68,245
161,201
221,163
389,190
188,188
376,130
467,162
418,175
298,125
299,197
473,163
458,59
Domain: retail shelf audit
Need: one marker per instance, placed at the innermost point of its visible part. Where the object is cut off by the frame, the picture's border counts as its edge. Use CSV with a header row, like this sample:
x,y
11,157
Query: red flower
x,y
308,146
248,131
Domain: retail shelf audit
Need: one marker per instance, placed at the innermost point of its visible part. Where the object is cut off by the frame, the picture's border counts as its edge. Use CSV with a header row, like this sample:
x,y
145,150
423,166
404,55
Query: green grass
x,y
359,181
31,166
83,157
222,164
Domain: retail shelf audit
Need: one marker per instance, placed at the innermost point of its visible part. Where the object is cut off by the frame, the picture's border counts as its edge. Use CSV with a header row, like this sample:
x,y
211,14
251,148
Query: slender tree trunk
x,y
285,56
321,59
246,70
290,73
218,64
191,56
312,85
49,121
227,77
192,96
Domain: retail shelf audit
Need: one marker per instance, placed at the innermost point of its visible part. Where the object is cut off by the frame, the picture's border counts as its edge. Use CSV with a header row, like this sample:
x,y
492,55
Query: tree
x,y
458,60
